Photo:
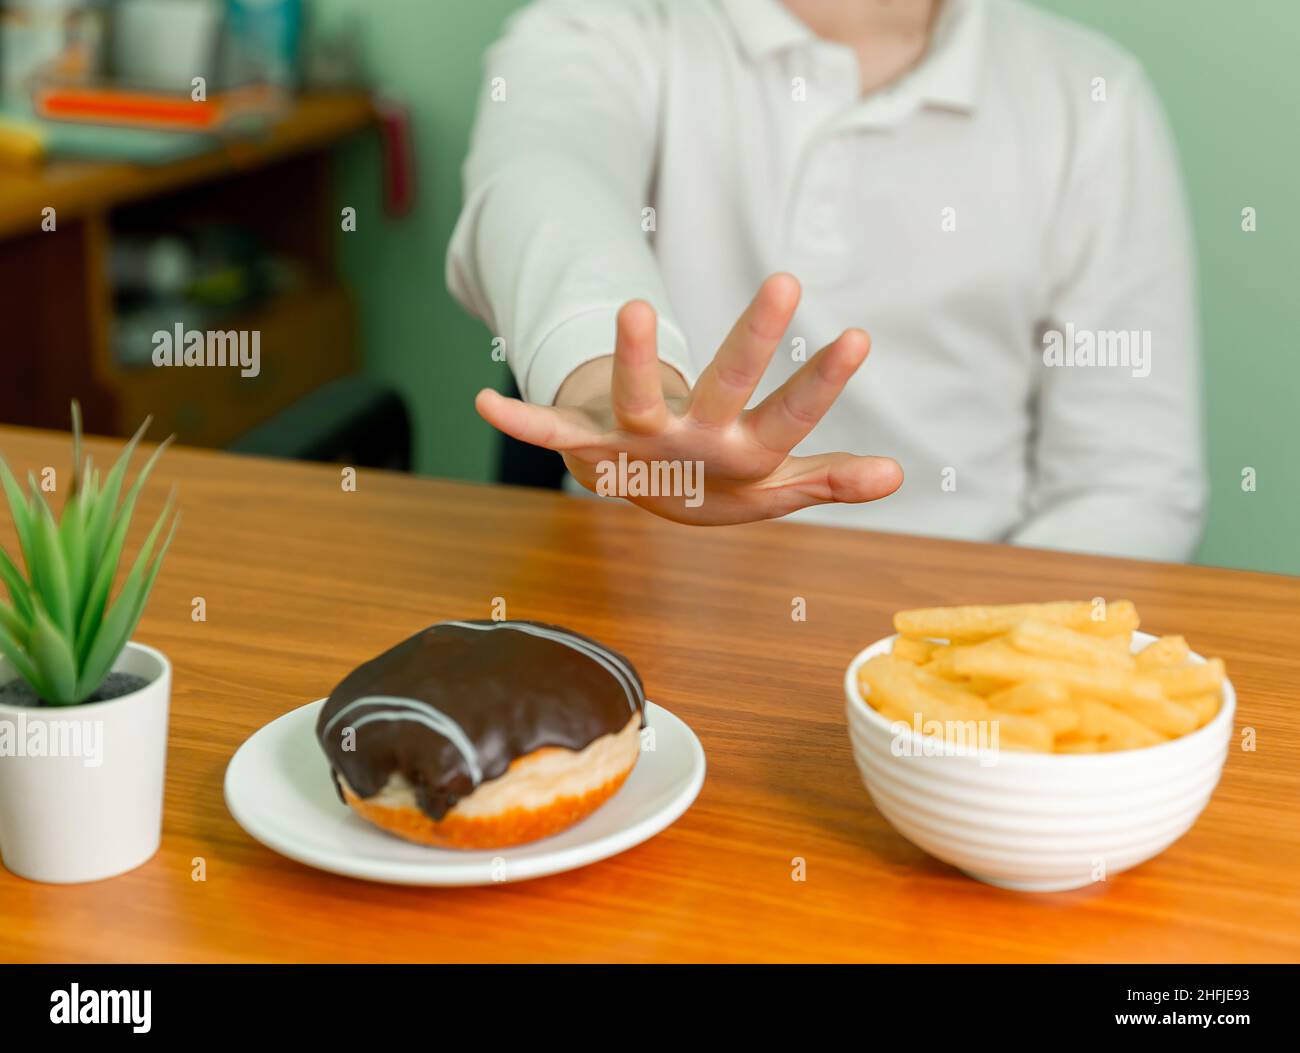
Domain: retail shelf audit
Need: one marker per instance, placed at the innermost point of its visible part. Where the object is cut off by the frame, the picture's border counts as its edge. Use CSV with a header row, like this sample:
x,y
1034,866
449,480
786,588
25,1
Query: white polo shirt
x,y
1007,213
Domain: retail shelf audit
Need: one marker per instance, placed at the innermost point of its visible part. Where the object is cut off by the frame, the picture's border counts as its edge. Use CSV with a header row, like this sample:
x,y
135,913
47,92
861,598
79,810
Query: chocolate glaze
x,y
452,706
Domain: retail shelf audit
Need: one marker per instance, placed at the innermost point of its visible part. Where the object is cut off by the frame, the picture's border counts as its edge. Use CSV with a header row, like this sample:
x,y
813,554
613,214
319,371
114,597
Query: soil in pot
x,y
19,692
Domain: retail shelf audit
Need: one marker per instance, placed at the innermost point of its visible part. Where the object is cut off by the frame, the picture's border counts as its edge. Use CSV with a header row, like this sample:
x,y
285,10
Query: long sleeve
x,y
1118,460
550,243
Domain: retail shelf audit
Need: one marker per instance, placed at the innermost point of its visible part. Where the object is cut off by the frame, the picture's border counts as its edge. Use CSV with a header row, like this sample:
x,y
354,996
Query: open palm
x,y
748,470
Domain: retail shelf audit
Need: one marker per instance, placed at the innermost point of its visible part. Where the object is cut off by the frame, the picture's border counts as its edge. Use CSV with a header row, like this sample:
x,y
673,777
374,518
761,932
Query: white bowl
x,y
1036,822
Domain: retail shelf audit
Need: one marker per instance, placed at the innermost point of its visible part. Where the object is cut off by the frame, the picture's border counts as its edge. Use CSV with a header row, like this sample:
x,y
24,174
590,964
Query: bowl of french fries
x,y
1039,747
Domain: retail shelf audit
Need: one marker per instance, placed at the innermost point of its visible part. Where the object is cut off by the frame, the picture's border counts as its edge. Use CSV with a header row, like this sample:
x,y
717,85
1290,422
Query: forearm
x,y
590,383
549,244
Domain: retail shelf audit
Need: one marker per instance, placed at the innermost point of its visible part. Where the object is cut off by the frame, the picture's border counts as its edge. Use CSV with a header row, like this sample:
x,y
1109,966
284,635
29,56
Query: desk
x,y
304,581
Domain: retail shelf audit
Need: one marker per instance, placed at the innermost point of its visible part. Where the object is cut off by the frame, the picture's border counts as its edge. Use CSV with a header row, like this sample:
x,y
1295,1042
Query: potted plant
x,y
83,708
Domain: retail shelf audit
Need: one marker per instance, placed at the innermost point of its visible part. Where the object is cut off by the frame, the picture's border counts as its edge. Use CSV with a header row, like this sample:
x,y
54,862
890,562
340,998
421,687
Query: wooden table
x,y
303,581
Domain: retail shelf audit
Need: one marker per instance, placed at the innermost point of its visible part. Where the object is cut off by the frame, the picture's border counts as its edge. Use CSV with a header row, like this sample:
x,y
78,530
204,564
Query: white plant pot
x,y
81,794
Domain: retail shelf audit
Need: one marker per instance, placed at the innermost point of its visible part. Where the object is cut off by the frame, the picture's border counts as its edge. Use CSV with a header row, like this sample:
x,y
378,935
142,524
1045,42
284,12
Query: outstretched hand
x,y
632,404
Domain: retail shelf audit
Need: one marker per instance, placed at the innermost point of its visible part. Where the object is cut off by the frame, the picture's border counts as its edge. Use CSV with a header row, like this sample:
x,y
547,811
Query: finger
x,y
786,416
726,385
637,390
832,478
554,429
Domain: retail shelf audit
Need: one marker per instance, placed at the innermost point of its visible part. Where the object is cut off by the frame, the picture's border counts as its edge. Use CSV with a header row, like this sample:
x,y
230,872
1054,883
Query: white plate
x,y
279,790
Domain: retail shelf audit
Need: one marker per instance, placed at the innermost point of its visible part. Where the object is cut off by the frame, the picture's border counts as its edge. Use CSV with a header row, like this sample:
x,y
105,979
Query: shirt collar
x,y
766,26
948,75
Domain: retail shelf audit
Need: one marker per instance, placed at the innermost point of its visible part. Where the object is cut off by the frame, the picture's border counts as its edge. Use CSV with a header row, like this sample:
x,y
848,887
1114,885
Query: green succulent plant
x,y
59,630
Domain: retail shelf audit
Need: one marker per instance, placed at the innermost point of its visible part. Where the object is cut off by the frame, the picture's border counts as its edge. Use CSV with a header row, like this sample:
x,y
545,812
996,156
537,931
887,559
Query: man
x,y
992,191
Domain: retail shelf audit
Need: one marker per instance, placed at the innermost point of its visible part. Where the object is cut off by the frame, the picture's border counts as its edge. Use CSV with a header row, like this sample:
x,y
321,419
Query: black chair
x,y
519,464
352,420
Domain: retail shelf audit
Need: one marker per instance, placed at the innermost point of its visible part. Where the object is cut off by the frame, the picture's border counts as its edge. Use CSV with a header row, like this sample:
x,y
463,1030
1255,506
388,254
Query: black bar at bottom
x,y
380,1002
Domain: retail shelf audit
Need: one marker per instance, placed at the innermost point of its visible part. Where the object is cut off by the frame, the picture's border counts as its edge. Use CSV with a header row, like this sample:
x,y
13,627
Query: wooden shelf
x,y
78,188
57,303
215,405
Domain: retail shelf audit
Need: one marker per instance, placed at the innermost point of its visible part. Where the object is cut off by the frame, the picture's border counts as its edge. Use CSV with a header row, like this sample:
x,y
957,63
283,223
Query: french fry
x,y
1098,720
970,703
1163,653
1060,719
1017,731
1166,717
1030,696
1206,678
891,682
951,661
894,713
943,671
1061,642
914,651
936,652
973,624
1129,742
895,690
1203,707
1049,676
1001,662
1118,618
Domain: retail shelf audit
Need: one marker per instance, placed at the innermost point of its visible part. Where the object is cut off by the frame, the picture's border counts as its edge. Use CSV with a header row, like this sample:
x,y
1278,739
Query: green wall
x,y
1228,76
426,54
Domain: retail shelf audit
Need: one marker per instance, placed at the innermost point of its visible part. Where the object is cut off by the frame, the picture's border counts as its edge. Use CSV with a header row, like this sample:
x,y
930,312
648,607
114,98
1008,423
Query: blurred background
x,y
312,194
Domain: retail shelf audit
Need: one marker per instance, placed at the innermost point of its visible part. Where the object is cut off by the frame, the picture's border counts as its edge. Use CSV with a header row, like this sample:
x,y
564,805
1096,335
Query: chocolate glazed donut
x,y
483,734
